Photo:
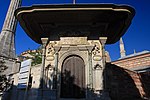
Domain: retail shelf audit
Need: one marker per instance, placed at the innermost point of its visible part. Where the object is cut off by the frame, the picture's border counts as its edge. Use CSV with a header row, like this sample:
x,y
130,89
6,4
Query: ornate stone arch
x,y
63,56
82,54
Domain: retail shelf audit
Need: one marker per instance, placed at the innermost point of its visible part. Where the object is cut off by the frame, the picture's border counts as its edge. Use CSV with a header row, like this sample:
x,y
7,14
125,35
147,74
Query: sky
x,y
137,37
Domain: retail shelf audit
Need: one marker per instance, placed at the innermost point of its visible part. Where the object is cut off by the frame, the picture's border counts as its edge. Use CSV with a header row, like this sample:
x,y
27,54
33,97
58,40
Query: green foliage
x,y
37,58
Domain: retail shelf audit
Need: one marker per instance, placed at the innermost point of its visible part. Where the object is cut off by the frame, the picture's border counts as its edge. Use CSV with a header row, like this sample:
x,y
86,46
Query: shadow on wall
x,y
14,93
70,88
120,84
145,80
73,87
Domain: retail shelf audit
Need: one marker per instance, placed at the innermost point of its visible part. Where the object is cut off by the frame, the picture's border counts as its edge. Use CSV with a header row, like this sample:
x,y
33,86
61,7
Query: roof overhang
x,y
107,20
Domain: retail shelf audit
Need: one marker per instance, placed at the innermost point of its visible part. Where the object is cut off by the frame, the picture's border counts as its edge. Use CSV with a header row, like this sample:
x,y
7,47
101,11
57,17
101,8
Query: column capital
x,y
44,41
103,40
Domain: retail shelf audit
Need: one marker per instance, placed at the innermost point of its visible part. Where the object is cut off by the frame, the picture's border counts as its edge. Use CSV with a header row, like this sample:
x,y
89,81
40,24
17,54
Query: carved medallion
x,y
50,52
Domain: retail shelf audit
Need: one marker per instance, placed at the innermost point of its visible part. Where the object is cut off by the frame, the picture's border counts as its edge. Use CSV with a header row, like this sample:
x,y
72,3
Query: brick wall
x,y
135,61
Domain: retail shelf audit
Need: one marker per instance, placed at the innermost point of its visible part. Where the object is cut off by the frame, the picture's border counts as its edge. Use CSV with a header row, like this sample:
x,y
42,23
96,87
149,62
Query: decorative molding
x,y
73,40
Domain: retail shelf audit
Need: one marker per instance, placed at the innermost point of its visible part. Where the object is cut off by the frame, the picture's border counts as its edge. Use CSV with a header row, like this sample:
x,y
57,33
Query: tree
x,y
37,58
3,79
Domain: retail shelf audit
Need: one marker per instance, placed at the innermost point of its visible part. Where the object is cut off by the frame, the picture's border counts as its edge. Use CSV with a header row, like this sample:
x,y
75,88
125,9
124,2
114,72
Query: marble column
x,y
104,95
42,77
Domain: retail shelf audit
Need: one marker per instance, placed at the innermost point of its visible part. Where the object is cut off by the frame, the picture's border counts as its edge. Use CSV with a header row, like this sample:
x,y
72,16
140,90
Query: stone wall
x,y
11,64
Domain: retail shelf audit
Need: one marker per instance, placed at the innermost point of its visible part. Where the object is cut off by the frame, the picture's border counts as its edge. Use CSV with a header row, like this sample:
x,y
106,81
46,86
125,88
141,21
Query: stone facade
x,y
90,51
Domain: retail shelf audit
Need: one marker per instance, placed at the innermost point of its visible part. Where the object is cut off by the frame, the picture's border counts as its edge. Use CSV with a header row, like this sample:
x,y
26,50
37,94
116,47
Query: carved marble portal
x,y
88,50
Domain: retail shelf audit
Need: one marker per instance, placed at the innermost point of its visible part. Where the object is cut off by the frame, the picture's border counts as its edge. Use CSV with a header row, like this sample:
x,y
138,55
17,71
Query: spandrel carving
x,y
96,52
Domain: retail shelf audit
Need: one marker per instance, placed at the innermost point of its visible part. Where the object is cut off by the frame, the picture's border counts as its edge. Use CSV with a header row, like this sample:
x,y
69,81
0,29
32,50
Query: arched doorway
x,y
73,77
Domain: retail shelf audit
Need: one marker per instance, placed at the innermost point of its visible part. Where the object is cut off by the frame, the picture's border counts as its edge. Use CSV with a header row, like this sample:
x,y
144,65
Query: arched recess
x,y
73,77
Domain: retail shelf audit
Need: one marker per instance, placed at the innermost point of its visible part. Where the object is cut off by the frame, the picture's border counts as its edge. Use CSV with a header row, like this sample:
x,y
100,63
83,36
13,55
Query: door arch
x,y
73,77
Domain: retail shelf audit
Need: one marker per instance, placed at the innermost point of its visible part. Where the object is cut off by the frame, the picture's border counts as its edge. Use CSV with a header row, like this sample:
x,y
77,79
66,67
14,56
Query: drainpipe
x,y
44,43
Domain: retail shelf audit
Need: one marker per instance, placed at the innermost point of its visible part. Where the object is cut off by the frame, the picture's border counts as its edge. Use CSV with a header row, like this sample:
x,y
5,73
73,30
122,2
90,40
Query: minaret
x,y
122,50
7,36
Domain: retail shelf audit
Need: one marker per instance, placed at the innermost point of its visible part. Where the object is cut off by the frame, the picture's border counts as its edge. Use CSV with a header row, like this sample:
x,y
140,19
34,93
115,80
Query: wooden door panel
x,y
73,78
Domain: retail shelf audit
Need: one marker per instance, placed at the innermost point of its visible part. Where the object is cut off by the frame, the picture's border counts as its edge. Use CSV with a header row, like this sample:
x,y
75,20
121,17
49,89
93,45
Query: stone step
x,y
70,99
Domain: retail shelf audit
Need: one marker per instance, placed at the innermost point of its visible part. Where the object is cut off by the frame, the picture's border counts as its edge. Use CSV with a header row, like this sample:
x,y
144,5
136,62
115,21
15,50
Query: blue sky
x,y
136,38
